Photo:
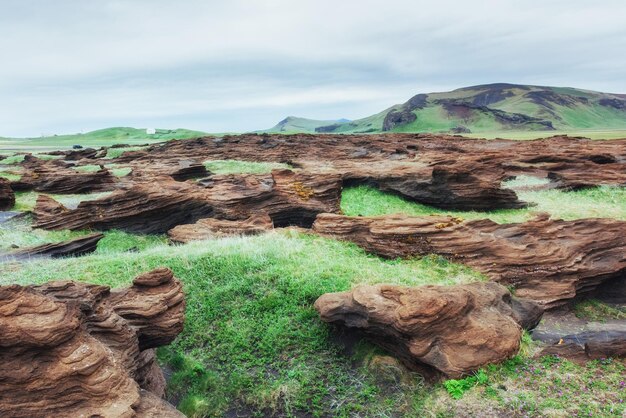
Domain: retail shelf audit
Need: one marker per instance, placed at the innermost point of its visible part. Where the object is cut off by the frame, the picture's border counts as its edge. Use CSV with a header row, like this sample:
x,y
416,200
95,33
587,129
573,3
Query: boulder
x,y
435,330
73,349
548,261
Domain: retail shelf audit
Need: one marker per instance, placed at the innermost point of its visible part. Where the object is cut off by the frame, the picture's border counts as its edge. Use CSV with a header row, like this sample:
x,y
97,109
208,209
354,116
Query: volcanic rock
x,y
74,349
158,205
55,176
581,340
420,167
7,197
449,330
211,228
548,261
77,246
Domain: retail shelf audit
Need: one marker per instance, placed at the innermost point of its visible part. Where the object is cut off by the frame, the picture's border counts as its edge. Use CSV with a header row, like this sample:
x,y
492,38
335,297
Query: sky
x,y
234,66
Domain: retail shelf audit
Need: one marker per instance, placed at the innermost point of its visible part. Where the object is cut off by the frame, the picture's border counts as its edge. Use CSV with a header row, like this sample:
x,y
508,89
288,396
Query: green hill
x,y
485,109
101,137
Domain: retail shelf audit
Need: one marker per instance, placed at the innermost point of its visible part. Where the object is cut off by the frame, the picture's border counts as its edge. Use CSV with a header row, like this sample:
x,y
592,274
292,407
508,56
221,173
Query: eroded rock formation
x,y
212,228
55,176
77,246
548,261
7,197
79,350
444,171
155,206
580,339
449,330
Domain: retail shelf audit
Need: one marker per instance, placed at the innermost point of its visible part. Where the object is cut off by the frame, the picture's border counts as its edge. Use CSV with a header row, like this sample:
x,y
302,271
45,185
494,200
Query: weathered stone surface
x,y
158,205
548,261
211,228
581,340
81,350
7,197
77,246
445,171
449,330
55,176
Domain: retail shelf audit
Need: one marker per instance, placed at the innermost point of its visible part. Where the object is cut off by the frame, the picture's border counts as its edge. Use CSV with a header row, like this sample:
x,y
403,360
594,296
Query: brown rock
x,y
158,205
7,197
548,261
75,349
445,171
55,176
74,247
449,330
210,228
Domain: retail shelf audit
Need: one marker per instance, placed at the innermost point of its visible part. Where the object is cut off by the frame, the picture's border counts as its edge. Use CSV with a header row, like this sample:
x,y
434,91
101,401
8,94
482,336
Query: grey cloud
x,y
243,65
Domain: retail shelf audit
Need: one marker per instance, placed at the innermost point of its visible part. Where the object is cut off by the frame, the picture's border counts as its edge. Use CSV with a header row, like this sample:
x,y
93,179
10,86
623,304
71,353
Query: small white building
x,y
150,131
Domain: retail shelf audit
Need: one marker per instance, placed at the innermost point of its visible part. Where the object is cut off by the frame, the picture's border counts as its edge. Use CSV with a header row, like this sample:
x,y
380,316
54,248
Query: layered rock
x,y
549,261
449,330
156,206
74,247
75,349
213,228
444,171
581,340
55,176
7,197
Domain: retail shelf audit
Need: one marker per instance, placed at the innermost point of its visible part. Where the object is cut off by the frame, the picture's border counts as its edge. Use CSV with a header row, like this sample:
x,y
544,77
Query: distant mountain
x,y
485,108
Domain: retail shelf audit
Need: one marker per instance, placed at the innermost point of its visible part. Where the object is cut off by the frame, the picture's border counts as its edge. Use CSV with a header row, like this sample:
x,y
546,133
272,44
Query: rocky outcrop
x,y
449,330
157,206
7,197
74,247
81,350
412,161
213,228
55,176
548,261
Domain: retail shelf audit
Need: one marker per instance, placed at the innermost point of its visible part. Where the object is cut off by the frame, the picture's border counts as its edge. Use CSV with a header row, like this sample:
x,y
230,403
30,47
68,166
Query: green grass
x,y
252,337
99,138
25,201
241,167
595,310
548,387
253,342
116,152
87,168
11,176
13,159
115,169
18,233
609,202
528,135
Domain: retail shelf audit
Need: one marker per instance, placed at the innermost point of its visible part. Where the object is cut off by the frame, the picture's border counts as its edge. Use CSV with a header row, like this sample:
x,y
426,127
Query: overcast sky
x,y
72,66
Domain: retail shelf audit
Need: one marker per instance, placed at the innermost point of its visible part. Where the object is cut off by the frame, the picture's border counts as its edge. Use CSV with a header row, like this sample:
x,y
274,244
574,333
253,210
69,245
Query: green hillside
x,y
486,109
101,137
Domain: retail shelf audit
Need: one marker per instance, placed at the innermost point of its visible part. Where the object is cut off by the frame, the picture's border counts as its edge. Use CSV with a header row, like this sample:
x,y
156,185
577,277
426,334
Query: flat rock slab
x,y
548,261
579,339
74,247
214,228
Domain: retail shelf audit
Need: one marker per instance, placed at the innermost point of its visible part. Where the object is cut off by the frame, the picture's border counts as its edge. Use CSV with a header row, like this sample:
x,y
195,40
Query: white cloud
x,y
246,64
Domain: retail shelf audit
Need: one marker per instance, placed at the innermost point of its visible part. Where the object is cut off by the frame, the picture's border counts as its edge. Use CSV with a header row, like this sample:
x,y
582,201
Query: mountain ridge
x,y
483,108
